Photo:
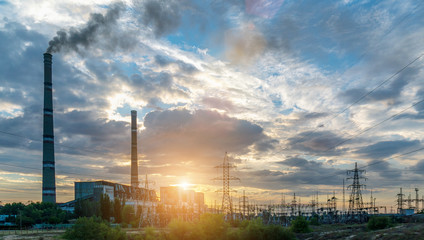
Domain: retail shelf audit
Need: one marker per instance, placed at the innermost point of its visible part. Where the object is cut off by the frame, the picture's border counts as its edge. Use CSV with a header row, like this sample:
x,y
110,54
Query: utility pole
x,y
227,206
355,202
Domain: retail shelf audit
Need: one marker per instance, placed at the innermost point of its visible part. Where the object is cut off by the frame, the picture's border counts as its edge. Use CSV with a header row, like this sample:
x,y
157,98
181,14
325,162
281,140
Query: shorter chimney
x,y
134,160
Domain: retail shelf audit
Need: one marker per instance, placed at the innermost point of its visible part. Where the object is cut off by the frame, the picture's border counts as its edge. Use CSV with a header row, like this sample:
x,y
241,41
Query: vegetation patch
x,y
379,222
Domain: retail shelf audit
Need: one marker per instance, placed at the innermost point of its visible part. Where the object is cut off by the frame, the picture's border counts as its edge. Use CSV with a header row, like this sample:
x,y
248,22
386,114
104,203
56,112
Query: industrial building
x,y
131,195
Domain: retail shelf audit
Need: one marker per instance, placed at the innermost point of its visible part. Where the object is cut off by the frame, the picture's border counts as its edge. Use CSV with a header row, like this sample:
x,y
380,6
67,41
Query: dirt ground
x,y
407,231
31,235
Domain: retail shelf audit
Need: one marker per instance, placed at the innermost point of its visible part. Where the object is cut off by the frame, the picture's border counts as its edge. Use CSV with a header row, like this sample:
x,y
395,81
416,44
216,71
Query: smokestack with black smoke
x,y
49,184
134,160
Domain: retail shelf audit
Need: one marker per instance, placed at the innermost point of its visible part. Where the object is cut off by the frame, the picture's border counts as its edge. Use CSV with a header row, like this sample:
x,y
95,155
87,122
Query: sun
x,y
184,185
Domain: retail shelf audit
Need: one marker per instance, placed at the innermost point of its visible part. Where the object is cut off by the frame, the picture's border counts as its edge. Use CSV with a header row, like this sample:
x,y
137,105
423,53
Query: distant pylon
x,y
355,202
243,202
400,202
146,209
227,206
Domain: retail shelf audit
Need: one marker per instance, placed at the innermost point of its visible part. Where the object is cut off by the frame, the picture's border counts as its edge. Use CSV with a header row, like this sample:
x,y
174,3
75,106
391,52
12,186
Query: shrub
x,y
150,233
315,220
276,232
178,229
213,226
233,234
376,222
93,228
300,225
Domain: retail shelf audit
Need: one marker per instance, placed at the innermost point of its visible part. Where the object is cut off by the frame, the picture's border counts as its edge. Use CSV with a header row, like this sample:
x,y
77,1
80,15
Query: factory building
x,y
131,195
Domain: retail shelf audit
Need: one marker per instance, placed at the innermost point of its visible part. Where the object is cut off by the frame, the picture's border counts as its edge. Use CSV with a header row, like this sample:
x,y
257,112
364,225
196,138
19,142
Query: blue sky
x,y
295,92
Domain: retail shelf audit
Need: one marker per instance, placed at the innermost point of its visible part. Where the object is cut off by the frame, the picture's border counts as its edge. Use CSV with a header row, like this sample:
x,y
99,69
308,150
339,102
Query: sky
x,y
296,92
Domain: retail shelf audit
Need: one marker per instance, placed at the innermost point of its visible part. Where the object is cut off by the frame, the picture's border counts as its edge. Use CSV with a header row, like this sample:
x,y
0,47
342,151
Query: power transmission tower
x,y
244,205
355,202
146,210
227,206
400,202
344,207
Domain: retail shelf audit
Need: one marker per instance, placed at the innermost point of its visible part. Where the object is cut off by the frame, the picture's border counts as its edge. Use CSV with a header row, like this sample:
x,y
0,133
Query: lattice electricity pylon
x,y
244,205
227,206
400,202
355,202
146,210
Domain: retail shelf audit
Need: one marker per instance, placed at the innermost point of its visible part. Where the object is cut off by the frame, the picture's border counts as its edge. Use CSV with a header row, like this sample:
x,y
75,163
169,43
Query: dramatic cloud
x,y
245,45
385,171
386,149
163,16
320,143
261,80
184,67
156,86
201,137
300,175
218,103
390,93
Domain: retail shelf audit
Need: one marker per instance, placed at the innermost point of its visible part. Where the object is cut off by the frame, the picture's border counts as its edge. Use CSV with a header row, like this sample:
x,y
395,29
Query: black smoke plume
x,y
98,27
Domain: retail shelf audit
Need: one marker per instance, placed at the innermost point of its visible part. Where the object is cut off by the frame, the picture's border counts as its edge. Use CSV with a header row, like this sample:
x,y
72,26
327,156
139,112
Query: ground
x,y
31,235
407,231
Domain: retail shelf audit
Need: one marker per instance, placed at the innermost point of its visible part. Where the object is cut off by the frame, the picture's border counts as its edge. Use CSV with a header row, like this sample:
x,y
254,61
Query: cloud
x,y
154,86
183,67
163,16
218,103
201,136
384,169
386,149
244,45
301,174
419,108
391,93
321,143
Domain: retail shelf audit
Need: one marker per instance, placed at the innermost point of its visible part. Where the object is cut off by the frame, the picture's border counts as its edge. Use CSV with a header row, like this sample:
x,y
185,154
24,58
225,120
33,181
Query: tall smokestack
x,y
49,185
134,160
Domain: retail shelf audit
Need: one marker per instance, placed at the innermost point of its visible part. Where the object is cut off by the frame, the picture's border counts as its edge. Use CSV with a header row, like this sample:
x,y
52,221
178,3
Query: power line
x,y
357,101
378,86
371,164
375,125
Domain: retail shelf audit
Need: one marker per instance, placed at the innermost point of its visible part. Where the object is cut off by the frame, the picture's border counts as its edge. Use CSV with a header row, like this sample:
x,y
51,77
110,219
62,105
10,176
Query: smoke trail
x,y
163,16
98,27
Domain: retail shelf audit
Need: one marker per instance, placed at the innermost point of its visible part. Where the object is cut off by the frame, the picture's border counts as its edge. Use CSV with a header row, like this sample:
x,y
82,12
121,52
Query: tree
x,y
87,208
127,214
35,213
117,210
379,222
93,228
105,207
300,225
